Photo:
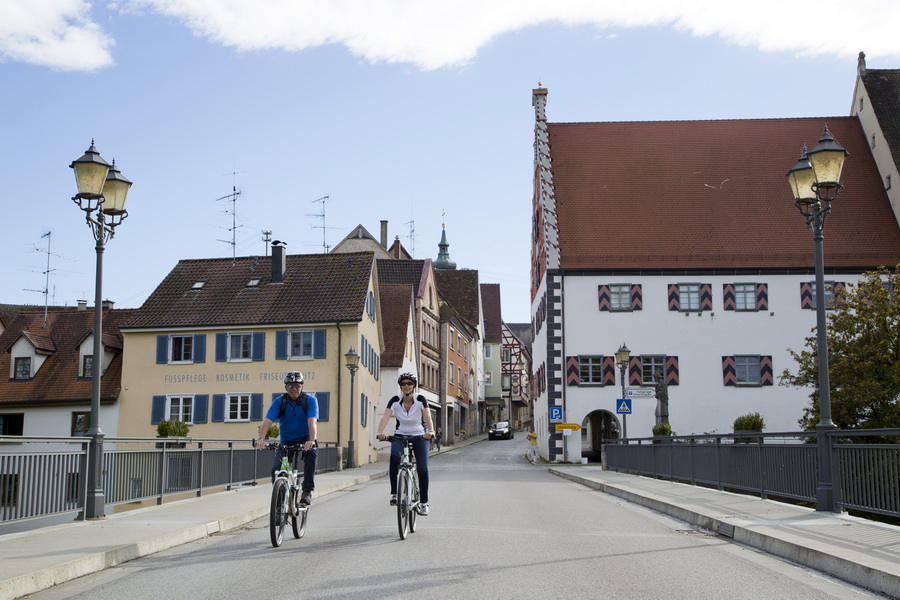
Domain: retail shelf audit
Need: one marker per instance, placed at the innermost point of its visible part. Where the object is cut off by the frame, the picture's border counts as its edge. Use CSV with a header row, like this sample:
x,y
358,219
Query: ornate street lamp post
x,y
816,182
101,195
352,365
622,356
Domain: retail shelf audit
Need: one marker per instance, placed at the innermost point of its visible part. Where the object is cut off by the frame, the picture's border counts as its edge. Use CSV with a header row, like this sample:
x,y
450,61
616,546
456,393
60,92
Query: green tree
x,y
863,355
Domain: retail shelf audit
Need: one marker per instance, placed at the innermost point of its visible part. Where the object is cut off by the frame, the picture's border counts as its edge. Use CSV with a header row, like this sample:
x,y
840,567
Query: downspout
x,y
338,325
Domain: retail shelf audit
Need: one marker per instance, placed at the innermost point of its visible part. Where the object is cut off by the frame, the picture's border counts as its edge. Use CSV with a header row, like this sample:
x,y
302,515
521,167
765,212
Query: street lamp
x,y
101,195
352,365
622,356
815,183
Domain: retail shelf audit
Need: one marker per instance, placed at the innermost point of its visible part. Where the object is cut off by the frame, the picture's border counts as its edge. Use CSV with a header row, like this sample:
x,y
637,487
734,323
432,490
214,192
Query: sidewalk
x,y
35,560
861,552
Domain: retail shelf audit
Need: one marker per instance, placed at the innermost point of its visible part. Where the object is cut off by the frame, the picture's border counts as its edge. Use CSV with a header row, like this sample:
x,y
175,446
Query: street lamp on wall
x,y
815,184
352,365
101,195
623,354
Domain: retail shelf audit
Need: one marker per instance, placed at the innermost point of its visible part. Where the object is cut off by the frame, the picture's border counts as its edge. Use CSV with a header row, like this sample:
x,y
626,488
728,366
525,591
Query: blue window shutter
x,y
319,343
256,407
221,347
259,345
201,407
281,339
158,409
162,349
324,399
200,348
218,409
363,409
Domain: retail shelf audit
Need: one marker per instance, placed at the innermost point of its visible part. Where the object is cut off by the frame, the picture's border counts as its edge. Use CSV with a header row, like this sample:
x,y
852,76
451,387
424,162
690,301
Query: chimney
x,y
384,234
279,261
82,305
107,305
861,64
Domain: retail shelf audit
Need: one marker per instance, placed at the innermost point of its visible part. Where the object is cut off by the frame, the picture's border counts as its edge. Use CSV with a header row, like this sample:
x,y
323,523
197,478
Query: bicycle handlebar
x,y
405,438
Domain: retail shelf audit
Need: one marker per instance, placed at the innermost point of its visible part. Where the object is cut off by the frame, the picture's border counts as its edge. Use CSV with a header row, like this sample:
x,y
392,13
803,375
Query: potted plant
x,y
747,424
171,428
661,430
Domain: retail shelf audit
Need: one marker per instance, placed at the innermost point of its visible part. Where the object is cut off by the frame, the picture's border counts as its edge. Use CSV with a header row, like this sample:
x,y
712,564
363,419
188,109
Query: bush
x,y
749,422
662,429
173,428
274,431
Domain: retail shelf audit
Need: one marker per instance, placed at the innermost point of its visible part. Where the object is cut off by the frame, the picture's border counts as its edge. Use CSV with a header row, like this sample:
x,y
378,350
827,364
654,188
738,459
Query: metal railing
x,y
41,483
781,466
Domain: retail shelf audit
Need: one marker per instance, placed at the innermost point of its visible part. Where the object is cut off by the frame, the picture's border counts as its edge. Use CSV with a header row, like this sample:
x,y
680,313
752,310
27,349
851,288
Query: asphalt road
x,y
499,528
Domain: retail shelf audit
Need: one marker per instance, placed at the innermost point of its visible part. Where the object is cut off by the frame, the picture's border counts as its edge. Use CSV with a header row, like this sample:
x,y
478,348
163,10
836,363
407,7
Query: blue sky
x,y
411,112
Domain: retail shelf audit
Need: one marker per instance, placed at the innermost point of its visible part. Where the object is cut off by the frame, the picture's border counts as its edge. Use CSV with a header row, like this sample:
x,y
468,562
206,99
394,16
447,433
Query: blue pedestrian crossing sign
x,y
556,414
623,406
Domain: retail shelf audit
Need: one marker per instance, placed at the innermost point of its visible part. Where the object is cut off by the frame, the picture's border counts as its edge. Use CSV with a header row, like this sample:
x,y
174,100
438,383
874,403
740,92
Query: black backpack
x,y
284,400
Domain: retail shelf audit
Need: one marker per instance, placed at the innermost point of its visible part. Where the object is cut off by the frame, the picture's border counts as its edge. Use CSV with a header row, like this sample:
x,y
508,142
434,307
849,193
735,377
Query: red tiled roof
x,y
57,380
710,194
883,87
395,315
460,288
490,305
409,272
317,288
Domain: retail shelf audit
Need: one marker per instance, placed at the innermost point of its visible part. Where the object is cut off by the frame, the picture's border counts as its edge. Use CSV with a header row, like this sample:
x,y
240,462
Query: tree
x,y
863,355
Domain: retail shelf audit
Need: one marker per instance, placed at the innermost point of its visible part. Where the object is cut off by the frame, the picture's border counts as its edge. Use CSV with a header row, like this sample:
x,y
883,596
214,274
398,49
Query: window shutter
x,y
259,346
729,372
674,297
672,376
603,297
157,409
363,350
706,302
221,347
766,371
363,409
201,407
762,296
324,399
806,295
218,408
281,343
728,299
319,343
609,370
162,349
635,375
637,297
200,348
256,407
573,371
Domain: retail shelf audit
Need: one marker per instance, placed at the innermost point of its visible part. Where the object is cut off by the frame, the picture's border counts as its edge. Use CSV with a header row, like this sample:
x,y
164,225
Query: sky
x,y
328,114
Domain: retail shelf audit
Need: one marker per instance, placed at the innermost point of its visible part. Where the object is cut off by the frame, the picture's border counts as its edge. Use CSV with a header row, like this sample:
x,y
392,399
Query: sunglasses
x,y
294,385
407,383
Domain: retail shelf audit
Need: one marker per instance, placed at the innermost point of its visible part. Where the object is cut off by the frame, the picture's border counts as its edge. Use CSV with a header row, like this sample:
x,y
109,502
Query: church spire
x,y
443,259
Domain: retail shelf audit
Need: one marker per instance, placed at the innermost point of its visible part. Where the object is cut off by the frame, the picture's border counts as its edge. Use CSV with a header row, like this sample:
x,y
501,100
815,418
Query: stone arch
x,y
597,427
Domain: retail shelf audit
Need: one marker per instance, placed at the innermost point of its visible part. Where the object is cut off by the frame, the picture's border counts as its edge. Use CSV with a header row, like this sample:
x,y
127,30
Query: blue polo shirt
x,y
293,423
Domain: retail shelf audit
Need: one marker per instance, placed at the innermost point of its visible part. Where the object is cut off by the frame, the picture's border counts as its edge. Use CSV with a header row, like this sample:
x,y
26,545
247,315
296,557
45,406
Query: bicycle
x,y
407,485
286,496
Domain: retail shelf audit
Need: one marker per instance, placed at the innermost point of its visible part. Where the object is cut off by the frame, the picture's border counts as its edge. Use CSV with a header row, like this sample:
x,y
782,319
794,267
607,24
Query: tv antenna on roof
x,y
412,237
232,197
322,226
46,272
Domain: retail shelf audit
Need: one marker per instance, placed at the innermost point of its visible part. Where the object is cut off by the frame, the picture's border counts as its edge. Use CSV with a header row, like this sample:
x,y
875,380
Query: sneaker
x,y
423,510
393,499
306,498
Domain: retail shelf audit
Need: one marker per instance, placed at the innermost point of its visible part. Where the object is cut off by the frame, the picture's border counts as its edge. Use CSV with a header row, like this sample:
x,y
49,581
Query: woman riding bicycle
x,y
413,419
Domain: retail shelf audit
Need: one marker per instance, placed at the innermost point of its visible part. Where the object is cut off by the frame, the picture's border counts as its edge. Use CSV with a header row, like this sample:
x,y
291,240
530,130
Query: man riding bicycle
x,y
297,413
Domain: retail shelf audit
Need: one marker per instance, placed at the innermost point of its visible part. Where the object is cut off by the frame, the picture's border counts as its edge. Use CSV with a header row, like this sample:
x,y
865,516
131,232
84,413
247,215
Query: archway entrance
x,y
598,427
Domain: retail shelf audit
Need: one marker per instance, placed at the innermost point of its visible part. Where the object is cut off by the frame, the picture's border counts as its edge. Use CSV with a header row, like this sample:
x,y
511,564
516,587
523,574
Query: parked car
x,y
500,429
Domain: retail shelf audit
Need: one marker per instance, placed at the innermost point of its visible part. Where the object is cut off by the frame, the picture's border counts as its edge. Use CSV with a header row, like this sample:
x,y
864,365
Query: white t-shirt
x,y
409,422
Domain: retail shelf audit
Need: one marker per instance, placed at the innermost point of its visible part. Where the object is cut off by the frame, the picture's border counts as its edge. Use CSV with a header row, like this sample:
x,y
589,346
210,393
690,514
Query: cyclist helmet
x,y
293,377
407,376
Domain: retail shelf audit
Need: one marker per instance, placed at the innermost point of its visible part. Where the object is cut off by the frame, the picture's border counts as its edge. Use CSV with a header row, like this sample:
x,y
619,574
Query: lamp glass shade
x,y
801,179
90,172
827,160
352,358
623,354
115,191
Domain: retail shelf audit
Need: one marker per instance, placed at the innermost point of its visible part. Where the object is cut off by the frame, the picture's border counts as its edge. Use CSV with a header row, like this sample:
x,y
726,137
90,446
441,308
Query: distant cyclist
x,y
297,414
413,419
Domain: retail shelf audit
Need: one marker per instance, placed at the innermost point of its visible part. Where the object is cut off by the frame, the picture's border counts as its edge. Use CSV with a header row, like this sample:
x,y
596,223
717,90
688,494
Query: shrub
x,y
662,429
274,431
172,428
749,422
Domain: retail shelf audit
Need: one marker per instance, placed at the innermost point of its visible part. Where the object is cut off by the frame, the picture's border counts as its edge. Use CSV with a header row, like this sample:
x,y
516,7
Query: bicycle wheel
x,y
278,512
298,519
403,498
414,501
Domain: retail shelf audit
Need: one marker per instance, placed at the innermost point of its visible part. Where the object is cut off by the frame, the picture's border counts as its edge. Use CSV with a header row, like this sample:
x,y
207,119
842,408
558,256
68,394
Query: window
x,y
506,355
459,378
745,296
12,423
620,296
873,140
651,366
505,381
747,370
23,367
452,372
466,351
488,378
238,407
182,349
198,285
452,339
301,344
81,422
689,295
181,408
829,294
488,351
590,369
87,366
887,182
240,346
253,283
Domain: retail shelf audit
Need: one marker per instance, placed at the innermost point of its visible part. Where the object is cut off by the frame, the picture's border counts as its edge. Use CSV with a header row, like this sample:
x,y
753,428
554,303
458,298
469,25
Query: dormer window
x,y
198,285
23,367
87,366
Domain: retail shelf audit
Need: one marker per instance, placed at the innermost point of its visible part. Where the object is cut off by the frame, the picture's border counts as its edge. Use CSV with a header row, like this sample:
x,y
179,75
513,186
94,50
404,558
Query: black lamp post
x,y
101,195
622,356
815,183
352,365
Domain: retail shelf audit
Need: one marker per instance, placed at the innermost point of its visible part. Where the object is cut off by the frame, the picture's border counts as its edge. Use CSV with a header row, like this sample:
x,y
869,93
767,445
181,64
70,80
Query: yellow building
x,y
211,345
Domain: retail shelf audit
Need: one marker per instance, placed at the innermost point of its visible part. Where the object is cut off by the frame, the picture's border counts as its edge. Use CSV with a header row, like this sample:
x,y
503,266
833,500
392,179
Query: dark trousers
x,y
309,465
420,451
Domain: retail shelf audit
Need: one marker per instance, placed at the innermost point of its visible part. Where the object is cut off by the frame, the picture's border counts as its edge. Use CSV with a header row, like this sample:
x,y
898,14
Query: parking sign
x,y
556,414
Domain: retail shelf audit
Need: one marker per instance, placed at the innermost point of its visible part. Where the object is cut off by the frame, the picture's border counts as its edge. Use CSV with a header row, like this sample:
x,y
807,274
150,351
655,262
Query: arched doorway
x,y
597,427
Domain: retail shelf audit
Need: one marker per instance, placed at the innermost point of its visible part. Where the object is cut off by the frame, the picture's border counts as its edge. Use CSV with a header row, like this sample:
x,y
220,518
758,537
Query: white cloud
x,y
432,34
53,33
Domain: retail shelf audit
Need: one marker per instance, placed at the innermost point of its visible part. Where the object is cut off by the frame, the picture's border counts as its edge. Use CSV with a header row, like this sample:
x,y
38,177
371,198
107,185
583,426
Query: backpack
x,y
284,400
